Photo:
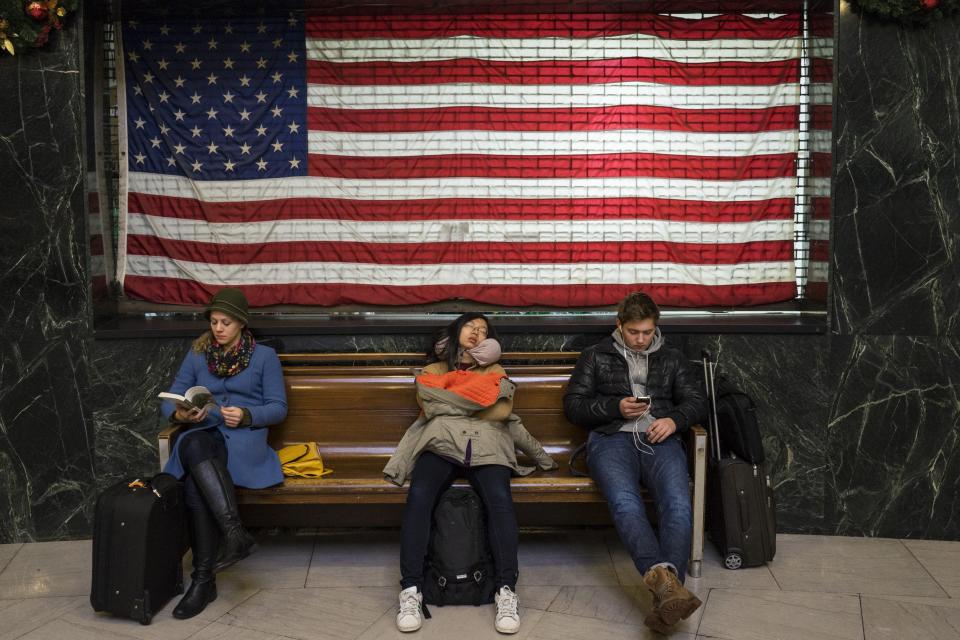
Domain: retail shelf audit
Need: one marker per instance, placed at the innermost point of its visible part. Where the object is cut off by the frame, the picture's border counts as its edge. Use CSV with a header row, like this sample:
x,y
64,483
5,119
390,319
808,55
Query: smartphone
x,y
643,399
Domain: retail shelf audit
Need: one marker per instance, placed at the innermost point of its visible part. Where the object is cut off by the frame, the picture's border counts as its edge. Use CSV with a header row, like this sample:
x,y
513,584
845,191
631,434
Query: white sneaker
x,y
410,615
508,618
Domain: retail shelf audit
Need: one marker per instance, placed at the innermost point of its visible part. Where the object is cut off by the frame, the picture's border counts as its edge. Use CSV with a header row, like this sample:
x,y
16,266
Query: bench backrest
x,y
362,411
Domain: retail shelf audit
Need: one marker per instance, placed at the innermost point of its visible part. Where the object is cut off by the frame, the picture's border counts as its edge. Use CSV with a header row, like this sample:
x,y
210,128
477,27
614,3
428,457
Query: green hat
x,y
231,302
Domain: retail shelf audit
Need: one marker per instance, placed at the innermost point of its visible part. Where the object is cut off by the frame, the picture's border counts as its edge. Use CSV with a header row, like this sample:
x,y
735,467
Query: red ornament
x,y
37,10
929,4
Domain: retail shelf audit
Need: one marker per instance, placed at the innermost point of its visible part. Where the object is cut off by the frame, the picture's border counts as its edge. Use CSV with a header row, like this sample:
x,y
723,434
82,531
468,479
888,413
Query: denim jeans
x,y
432,475
619,469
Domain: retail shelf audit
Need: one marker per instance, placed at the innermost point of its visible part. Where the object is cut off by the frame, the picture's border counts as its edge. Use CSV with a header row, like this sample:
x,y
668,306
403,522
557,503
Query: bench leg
x,y
699,502
694,568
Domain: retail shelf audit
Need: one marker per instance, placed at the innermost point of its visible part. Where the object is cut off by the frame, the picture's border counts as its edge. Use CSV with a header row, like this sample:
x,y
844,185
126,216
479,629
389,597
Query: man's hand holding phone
x,y
634,407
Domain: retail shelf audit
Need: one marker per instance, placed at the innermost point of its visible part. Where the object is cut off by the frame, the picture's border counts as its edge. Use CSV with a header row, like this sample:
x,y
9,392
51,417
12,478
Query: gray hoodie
x,y
638,365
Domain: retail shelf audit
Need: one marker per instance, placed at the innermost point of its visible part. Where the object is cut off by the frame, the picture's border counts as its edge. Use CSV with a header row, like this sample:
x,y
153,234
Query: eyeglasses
x,y
476,328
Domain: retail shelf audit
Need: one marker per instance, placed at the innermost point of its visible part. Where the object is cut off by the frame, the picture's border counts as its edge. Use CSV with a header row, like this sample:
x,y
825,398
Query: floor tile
x,y
7,551
18,617
217,631
63,630
44,569
559,626
713,573
873,566
281,562
760,615
312,614
565,559
626,605
538,597
370,559
163,627
462,623
887,619
941,559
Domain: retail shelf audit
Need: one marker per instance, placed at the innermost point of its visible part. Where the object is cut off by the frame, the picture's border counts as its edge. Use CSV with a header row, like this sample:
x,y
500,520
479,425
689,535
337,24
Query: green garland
x,y
908,12
20,31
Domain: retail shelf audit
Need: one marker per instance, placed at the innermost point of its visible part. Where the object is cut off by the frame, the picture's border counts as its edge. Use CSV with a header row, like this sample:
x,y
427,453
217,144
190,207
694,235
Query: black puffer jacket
x,y
600,380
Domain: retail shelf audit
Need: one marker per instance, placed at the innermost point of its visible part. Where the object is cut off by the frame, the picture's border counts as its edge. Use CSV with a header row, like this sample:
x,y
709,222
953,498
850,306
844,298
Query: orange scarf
x,y
482,388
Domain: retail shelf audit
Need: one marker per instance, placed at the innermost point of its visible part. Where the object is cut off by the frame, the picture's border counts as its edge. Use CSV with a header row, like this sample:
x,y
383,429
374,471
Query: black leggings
x,y
431,476
195,447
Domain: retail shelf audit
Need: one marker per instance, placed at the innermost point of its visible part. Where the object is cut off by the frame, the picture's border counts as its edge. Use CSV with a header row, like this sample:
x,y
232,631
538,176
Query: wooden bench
x,y
357,407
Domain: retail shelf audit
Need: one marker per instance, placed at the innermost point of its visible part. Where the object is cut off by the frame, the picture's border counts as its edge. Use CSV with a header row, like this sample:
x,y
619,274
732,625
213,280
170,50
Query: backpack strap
x,y
580,451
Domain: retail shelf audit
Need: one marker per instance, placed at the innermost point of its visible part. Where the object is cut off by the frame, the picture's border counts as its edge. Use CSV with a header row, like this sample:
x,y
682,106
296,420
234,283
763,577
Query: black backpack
x,y
459,566
737,420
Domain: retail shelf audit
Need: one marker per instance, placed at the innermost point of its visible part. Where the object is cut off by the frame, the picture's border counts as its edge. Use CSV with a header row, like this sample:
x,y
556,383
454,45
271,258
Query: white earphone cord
x,y
638,442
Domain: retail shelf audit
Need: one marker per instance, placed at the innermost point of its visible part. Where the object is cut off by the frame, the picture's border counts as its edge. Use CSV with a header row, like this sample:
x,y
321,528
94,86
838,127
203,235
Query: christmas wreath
x,y
28,24
908,11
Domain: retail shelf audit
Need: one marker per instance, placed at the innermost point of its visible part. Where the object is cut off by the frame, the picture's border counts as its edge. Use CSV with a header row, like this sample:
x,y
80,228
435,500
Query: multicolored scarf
x,y
229,362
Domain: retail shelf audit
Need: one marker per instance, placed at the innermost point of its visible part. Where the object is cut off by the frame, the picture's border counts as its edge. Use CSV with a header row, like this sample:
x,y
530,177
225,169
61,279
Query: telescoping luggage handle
x,y
712,422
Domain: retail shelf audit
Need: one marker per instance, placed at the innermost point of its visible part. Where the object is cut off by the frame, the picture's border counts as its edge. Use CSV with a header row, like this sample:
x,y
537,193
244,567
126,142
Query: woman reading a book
x,y
226,442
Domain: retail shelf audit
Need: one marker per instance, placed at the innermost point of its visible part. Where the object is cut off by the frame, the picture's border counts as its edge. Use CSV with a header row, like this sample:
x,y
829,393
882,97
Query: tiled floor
x,y
574,585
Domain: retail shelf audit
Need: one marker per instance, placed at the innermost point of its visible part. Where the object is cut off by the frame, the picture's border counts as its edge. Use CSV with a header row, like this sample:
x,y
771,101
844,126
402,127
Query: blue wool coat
x,y
258,388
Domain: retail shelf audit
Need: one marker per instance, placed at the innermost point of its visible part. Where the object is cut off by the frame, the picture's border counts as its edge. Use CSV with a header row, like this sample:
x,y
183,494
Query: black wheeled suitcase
x,y
741,510
138,547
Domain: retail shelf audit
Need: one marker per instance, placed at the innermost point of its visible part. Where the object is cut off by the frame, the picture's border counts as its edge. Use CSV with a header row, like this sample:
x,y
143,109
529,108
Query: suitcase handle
x,y
744,511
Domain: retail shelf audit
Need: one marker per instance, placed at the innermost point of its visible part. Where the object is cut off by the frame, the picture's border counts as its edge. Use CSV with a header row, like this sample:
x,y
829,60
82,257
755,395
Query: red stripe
x,y
816,291
462,209
822,164
553,119
557,72
820,250
821,208
580,166
542,25
822,116
176,291
96,245
821,25
460,252
822,70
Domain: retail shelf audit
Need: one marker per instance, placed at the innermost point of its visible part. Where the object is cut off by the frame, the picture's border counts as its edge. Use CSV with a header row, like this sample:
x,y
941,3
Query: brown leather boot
x,y
672,602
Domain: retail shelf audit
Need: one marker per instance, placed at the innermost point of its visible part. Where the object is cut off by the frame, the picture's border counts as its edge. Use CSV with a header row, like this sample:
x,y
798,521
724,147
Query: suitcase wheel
x,y
146,619
733,561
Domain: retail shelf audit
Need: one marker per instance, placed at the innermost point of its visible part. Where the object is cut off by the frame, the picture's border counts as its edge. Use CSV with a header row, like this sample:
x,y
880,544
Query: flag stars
x,y
133,56
140,158
294,127
178,114
212,79
261,131
171,162
261,28
294,163
277,146
164,96
197,29
228,63
132,24
163,64
278,43
155,142
148,77
179,149
212,148
228,131
229,165
147,45
179,81
262,63
228,97
245,149
180,47
245,47
212,113
244,80
293,56
165,30
277,111
293,92
261,97
137,90
212,44
195,63
228,29
197,165
195,132
164,129
195,98
140,122
277,77
292,20
261,165
244,115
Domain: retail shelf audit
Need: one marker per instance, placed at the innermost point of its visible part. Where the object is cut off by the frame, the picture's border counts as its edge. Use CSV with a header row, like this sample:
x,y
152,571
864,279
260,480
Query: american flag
x,y
529,159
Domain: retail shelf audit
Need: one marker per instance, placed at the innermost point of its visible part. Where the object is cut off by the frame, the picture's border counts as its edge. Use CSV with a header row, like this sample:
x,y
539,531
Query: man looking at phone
x,y
637,396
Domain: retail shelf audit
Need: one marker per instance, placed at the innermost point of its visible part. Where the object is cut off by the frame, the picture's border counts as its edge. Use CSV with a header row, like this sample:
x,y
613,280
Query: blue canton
x,y
217,99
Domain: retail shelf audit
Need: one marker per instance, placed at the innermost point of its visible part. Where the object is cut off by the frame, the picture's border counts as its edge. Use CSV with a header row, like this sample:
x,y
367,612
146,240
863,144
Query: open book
x,y
193,398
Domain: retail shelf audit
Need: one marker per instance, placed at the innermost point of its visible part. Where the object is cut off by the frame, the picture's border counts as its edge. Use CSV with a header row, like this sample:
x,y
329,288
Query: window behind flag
x,y
527,159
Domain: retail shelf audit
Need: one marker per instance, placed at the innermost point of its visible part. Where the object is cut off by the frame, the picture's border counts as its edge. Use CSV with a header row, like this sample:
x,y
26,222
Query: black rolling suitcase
x,y
138,547
741,511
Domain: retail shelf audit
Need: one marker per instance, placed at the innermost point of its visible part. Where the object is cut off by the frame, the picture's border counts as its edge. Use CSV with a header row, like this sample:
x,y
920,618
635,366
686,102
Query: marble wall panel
x,y
894,437
896,227
46,464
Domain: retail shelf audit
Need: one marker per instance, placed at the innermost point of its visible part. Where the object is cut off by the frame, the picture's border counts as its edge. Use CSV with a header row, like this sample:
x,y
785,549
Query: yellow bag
x,y
302,461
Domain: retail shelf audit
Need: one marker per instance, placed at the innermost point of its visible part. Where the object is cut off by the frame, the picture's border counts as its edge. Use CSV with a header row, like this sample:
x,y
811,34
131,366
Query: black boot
x,y
215,484
204,539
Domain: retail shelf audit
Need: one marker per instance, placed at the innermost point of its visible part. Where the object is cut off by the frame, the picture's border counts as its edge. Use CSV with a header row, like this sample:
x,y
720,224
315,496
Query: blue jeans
x,y
619,469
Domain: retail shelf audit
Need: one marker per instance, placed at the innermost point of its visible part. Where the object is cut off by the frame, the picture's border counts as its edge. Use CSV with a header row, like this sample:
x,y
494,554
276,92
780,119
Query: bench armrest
x,y
168,435
697,456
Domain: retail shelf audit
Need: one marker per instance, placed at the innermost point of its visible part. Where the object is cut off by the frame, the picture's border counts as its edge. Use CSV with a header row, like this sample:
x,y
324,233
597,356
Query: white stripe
x,y
517,96
431,188
541,143
633,45
97,266
592,273
821,140
820,230
818,271
424,231
94,226
821,93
